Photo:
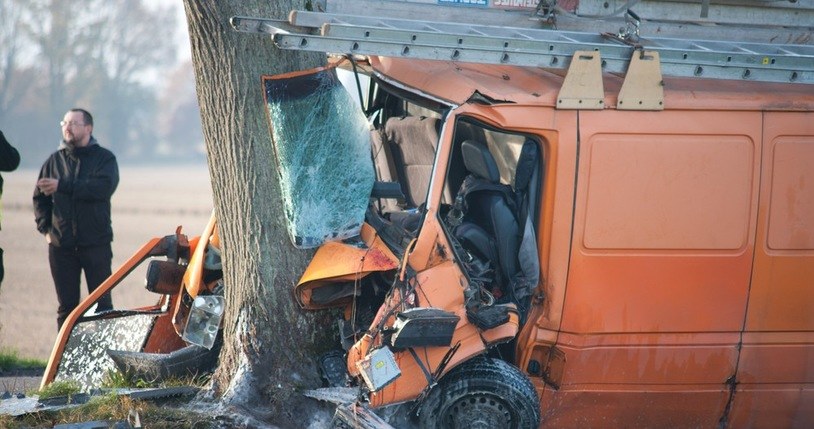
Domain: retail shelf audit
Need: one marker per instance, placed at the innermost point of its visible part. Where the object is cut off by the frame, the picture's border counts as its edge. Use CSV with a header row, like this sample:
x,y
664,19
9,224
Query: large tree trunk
x,y
270,344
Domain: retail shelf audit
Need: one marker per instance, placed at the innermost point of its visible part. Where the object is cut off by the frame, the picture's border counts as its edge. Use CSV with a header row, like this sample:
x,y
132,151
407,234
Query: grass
x,y
9,360
59,388
113,408
118,379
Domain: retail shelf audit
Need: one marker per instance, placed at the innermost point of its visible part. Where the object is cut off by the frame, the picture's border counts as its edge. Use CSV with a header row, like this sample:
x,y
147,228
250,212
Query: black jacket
x,y
9,158
78,213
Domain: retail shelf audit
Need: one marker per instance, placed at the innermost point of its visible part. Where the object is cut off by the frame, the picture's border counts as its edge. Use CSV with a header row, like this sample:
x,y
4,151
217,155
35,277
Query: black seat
x,y
489,227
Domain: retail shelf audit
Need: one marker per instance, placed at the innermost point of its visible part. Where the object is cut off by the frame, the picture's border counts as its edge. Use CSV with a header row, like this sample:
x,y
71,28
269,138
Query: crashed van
x,y
521,264
518,264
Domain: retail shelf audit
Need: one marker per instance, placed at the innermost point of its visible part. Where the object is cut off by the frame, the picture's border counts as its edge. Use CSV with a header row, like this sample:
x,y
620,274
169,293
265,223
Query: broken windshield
x,y
322,142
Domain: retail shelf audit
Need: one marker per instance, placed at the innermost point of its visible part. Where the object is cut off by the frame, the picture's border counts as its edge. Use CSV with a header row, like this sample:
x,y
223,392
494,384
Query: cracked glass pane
x,y
85,359
322,142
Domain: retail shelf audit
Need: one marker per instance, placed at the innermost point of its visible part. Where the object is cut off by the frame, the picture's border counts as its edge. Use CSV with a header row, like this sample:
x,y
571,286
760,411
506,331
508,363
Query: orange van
x,y
672,280
525,265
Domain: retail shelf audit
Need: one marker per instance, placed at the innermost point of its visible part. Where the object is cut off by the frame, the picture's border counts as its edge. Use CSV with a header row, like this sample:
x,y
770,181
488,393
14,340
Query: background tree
x,y
105,55
180,124
124,50
12,86
270,343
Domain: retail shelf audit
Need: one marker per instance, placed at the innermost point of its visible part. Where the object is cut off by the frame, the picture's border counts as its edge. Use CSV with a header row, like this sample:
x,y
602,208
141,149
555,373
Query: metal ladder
x,y
351,34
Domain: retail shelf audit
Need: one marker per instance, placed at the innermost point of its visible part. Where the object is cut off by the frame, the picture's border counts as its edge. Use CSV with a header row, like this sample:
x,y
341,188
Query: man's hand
x,y
48,186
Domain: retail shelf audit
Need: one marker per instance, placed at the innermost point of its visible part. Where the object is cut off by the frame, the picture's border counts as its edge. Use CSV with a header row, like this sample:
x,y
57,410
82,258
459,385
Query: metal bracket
x,y
583,87
643,88
630,32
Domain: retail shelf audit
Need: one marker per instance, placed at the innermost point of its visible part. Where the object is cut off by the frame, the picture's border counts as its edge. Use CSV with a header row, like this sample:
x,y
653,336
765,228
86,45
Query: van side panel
x,y
660,266
776,370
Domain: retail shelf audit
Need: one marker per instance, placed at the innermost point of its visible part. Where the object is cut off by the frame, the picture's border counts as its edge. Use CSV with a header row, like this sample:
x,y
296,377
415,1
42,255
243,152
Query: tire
x,y
483,393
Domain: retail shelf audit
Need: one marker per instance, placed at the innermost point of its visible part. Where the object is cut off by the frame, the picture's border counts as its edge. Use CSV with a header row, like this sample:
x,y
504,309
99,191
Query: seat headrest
x,y
479,161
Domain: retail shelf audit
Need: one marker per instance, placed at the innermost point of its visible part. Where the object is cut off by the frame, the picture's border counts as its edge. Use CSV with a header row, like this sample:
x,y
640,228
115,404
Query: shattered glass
x,y
85,359
322,142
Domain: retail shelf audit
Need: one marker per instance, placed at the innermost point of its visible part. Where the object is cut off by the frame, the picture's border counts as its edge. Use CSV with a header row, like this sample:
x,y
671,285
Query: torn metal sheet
x,y
158,392
96,424
335,395
322,142
32,404
359,416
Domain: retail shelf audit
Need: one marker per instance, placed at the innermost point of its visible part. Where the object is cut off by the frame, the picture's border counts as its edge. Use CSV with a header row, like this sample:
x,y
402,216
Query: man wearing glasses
x,y
72,210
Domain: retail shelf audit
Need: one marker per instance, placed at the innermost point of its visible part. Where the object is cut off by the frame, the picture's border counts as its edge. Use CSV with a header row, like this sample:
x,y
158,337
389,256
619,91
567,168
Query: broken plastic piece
x,y
379,368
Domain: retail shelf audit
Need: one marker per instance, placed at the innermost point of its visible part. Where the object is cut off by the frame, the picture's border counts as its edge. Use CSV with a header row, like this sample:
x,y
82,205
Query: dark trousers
x,y
66,267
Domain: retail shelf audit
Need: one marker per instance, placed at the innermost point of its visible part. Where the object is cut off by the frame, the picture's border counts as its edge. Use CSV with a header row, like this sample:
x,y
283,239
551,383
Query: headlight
x,y
204,320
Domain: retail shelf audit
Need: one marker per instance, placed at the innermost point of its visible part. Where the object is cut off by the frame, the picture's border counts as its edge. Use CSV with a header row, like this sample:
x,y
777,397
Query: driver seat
x,y
489,227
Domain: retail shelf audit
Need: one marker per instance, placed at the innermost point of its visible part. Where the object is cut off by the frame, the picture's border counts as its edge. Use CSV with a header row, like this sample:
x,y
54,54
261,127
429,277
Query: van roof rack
x,y
402,38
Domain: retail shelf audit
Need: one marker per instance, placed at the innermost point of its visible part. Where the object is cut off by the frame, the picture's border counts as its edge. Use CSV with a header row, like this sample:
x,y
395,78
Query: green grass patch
x,y
117,379
10,360
59,388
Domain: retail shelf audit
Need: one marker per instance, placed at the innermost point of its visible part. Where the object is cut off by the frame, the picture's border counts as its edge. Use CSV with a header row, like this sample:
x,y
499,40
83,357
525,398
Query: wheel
x,y
483,393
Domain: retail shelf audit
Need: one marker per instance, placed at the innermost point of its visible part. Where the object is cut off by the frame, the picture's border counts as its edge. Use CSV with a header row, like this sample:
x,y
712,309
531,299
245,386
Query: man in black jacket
x,y
72,209
9,160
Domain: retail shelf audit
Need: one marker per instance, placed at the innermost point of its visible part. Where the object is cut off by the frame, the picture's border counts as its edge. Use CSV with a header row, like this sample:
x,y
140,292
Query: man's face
x,y
74,129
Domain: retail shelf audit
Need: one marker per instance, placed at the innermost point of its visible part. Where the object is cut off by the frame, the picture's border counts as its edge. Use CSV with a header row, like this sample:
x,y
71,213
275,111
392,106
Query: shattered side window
x,y
322,142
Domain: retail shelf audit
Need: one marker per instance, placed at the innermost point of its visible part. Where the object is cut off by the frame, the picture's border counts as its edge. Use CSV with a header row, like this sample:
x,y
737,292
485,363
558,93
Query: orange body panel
x,y
339,262
432,289
193,277
163,338
611,406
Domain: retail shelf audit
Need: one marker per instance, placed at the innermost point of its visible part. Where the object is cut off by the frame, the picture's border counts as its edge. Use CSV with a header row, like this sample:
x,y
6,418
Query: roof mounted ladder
x,y
359,35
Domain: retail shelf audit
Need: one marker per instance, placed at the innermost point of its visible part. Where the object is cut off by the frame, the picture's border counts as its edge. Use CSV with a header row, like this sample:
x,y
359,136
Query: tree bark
x,y
269,342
